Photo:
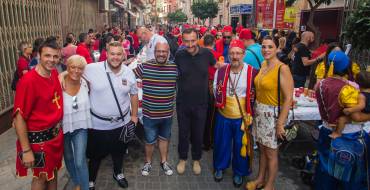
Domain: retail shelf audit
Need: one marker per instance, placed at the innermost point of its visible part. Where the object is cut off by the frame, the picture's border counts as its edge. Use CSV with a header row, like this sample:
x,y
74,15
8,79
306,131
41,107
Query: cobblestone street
x,y
288,178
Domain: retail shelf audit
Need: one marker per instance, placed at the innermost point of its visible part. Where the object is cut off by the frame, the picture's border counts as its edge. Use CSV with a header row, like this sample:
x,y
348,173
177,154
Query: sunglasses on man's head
x,y
227,37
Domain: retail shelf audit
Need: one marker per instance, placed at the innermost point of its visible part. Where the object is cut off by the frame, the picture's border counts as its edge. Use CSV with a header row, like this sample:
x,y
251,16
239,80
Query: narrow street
x,y
288,178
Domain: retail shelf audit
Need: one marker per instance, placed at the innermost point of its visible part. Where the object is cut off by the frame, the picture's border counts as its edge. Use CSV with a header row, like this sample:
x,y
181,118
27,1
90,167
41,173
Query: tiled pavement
x,y
8,179
288,177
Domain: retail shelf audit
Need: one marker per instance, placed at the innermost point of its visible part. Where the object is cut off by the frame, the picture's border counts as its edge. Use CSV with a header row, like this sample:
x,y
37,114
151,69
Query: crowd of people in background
x,y
233,90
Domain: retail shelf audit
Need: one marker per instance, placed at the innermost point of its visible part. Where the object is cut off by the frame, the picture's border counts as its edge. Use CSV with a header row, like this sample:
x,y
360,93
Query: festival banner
x,y
290,16
280,11
284,17
265,13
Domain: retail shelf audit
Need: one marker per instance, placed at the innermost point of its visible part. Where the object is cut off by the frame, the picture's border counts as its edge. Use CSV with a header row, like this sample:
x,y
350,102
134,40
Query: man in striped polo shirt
x,y
159,87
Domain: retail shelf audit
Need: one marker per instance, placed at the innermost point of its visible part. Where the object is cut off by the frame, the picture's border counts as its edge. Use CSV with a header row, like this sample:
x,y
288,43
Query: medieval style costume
x,y
232,136
39,100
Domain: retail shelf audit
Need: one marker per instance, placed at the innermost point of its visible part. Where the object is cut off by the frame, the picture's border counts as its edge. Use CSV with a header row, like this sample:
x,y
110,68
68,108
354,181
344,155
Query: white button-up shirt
x,y
101,96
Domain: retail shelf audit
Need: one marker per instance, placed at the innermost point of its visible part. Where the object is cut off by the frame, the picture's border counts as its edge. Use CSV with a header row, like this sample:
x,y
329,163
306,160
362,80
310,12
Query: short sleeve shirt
x,y
193,76
297,64
22,65
256,59
39,100
102,100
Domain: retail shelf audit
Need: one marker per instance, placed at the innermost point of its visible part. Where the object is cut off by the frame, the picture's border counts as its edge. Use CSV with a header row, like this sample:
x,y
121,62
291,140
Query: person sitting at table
x,y
268,122
359,111
333,170
323,70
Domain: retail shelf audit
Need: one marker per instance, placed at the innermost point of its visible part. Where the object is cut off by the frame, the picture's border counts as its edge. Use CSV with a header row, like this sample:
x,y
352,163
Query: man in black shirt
x,y
192,98
302,61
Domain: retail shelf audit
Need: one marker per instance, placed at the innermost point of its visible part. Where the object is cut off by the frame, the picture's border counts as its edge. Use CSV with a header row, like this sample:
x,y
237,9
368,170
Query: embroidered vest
x,y
327,95
221,86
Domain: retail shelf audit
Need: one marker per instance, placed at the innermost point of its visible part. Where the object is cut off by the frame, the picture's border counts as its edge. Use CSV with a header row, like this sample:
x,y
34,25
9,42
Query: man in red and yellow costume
x,y
38,111
234,94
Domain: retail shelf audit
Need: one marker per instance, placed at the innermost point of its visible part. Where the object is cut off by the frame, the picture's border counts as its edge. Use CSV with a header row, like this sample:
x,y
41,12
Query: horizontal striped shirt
x,y
159,88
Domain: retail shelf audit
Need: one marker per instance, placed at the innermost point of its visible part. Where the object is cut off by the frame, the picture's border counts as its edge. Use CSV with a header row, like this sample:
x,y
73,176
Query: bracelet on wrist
x,y
28,150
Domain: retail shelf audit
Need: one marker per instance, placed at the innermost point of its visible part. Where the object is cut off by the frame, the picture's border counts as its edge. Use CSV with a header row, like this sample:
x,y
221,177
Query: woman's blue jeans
x,y
75,157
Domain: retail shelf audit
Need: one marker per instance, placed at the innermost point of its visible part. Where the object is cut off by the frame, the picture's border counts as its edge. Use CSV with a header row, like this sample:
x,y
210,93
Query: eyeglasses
x,y
227,37
74,102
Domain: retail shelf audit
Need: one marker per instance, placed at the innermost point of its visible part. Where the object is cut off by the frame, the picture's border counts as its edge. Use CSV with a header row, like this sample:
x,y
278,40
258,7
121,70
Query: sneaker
x,y
91,185
237,181
121,180
218,175
181,166
145,171
196,167
166,168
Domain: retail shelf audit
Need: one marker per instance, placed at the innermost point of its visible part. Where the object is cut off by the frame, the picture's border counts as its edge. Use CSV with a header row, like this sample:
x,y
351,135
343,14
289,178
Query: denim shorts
x,y
154,128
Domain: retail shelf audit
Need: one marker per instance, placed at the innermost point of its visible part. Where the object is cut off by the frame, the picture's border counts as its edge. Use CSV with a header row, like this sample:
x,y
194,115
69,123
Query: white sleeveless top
x,y
79,118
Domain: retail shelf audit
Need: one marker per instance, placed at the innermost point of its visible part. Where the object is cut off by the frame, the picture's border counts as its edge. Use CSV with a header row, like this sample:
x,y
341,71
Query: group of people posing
x,y
228,93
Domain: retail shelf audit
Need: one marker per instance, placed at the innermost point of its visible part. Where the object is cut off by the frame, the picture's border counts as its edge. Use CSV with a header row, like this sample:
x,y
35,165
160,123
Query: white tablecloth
x,y
306,113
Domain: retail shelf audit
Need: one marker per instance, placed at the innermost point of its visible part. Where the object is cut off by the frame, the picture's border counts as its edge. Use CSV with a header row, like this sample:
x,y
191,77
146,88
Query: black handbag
x,y
128,130
291,129
39,159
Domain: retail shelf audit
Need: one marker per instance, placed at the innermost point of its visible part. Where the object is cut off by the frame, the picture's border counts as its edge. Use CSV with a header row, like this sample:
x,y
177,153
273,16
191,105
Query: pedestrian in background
x,y
25,51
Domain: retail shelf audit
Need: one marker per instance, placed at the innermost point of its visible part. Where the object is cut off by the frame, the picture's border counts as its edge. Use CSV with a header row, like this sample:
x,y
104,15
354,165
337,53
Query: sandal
x,y
252,185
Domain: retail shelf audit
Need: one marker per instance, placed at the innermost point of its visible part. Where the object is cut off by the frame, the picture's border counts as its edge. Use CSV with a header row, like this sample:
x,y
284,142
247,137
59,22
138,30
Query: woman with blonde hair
x,y
76,121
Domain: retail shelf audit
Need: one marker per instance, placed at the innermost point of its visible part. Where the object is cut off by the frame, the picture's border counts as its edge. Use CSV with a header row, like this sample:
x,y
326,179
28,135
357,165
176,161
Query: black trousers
x,y
101,143
191,122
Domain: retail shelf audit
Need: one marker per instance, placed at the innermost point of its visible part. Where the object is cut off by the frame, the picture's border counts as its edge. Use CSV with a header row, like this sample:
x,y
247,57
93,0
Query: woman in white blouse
x,y
76,121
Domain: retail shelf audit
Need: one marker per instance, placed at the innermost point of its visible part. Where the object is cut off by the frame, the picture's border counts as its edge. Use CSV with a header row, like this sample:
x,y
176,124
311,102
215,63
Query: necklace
x,y
232,84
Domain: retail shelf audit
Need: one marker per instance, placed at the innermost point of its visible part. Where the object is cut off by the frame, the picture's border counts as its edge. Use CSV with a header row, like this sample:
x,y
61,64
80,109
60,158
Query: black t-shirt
x,y
297,65
192,84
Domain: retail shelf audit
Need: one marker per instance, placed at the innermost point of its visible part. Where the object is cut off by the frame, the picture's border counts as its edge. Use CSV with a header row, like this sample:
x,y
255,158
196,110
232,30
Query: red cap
x,y
186,26
214,32
203,30
227,29
175,31
245,34
237,43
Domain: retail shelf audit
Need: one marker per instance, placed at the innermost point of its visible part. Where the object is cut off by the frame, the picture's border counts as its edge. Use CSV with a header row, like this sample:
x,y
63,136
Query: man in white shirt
x,y
107,121
148,38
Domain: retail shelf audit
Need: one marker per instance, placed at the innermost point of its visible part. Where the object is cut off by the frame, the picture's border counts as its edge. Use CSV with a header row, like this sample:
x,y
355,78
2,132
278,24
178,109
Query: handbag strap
x,y
279,89
114,94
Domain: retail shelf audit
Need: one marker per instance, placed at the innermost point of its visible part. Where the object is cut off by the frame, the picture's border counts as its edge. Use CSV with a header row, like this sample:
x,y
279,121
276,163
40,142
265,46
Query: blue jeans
x,y
75,157
154,128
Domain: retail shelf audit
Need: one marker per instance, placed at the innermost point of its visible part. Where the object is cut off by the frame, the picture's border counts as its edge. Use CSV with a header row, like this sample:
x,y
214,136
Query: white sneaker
x,y
91,185
145,171
167,168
